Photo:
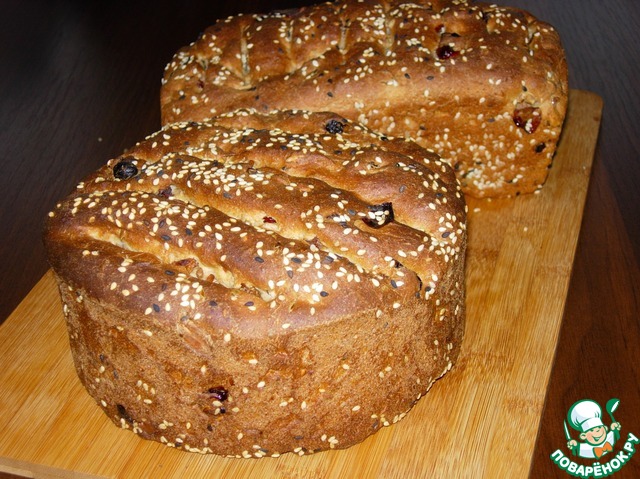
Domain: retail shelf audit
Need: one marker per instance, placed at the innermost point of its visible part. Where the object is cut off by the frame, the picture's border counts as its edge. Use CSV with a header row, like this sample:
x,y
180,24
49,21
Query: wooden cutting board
x,y
481,420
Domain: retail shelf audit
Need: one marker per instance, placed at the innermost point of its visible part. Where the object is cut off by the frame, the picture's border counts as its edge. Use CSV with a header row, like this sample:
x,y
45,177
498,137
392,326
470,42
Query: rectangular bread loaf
x,y
484,86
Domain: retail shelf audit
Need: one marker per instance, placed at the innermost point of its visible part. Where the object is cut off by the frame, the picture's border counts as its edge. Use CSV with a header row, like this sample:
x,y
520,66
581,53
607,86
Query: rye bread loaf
x,y
259,284
484,86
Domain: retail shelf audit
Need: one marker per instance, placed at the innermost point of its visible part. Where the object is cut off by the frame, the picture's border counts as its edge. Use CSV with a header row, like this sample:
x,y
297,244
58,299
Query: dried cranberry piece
x,y
189,263
527,118
334,127
379,215
219,393
122,412
166,192
268,219
446,51
125,169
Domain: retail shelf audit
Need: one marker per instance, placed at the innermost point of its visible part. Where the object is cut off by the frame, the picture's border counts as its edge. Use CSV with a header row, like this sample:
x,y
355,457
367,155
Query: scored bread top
x,y
484,86
262,223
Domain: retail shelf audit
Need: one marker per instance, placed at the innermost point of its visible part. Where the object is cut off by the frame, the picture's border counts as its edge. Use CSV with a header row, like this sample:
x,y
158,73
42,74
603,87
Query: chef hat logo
x,y
585,415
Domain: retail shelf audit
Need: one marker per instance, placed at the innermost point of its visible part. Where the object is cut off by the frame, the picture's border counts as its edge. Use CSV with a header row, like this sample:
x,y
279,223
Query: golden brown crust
x,y
484,86
258,284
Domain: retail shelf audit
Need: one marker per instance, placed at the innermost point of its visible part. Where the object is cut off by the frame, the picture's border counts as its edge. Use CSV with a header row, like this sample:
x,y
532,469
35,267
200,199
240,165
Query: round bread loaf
x,y
259,284
484,86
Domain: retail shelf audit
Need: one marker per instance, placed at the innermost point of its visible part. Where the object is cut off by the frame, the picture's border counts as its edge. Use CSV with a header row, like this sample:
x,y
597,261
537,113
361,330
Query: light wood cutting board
x,y
481,420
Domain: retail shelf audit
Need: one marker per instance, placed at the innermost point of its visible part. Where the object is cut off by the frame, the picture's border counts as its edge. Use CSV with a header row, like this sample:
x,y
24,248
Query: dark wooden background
x,y
79,83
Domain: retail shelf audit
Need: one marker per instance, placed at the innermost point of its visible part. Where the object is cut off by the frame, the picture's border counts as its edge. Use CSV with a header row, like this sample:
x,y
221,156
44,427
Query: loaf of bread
x,y
483,86
259,284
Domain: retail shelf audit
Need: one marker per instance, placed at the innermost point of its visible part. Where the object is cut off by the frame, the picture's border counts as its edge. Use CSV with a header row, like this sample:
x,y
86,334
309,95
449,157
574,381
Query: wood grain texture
x,y
599,345
519,263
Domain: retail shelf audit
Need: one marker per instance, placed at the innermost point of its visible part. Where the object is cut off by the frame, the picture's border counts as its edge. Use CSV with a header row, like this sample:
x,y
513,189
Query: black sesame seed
x,y
324,294
446,234
259,259
248,303
188,231
156,308
394,284
166,237
212,303
169,272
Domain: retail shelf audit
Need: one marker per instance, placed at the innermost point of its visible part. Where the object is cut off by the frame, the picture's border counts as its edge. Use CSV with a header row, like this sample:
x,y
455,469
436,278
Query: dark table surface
x,y
79,83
